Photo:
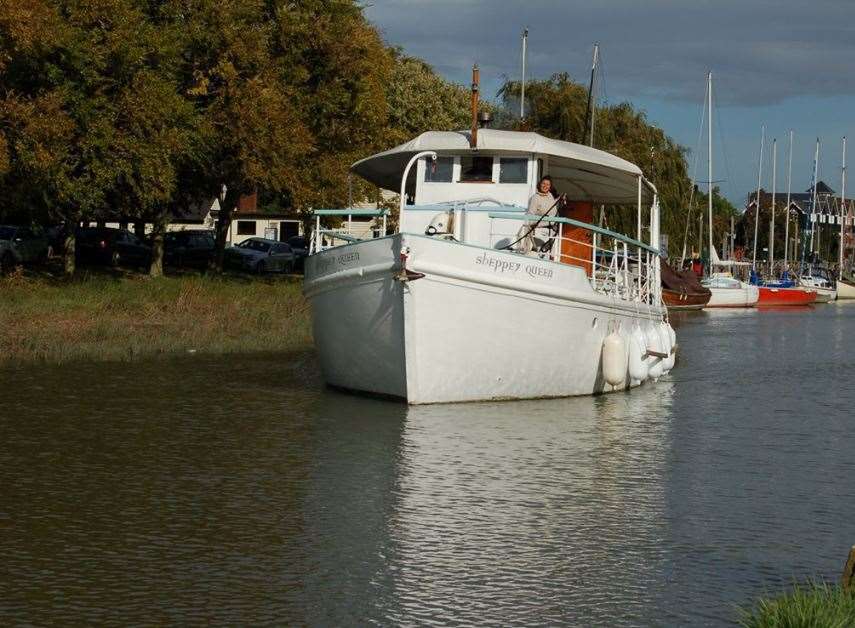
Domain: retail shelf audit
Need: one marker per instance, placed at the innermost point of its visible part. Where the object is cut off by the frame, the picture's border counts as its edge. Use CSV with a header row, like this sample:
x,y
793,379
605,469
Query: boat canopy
x,y
582,172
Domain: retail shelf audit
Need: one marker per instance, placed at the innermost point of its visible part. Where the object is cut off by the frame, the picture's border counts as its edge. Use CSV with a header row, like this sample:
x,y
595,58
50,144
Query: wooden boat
x,y
682,291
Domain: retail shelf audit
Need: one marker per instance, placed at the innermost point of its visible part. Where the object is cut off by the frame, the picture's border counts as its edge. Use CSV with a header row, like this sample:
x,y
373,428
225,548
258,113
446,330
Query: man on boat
x,y
544,202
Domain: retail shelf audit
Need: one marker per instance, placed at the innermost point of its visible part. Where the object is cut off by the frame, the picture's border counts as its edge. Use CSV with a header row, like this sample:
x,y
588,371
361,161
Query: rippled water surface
x,y
238,491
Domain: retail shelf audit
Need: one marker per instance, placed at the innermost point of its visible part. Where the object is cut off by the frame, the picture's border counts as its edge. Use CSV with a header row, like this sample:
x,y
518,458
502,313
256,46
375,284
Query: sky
x,y
785,64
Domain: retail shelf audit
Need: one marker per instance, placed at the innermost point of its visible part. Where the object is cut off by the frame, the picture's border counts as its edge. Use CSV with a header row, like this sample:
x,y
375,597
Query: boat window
x,y
513,170
476,169
439,171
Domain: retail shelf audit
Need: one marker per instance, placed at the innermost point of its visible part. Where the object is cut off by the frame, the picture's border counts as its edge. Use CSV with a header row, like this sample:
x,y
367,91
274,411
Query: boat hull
x,y
681,301
460,323
744,296
785,296
824,295
845,290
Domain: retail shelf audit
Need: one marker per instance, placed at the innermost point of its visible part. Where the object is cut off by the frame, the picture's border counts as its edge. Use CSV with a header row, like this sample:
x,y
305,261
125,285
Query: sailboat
x,y
778,292
727,291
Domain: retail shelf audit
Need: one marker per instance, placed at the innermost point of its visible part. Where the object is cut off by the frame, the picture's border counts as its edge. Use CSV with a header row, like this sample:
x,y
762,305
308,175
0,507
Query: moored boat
x,y
845,289
728,291
454,308
771,295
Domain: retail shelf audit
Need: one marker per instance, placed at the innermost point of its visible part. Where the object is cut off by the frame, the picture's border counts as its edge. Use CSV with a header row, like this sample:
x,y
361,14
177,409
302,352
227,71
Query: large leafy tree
x,y
91,115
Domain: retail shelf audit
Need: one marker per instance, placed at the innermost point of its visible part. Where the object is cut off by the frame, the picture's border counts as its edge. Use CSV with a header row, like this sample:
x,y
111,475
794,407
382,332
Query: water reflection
x,y
496,512
238,491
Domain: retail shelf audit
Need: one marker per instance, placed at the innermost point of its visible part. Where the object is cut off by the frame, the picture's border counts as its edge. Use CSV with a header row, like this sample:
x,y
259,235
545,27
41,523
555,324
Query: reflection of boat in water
x,y
452,308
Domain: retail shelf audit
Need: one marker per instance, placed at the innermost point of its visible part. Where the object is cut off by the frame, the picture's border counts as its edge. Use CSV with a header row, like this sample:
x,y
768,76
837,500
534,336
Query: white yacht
x,y
447,309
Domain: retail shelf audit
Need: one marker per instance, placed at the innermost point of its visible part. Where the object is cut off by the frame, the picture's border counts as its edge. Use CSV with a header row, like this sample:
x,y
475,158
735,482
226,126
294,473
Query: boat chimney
x,y
473,137
484,119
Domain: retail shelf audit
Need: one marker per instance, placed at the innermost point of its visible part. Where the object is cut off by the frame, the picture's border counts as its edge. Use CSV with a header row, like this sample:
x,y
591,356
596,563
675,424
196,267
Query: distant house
x,y
826,199
246,221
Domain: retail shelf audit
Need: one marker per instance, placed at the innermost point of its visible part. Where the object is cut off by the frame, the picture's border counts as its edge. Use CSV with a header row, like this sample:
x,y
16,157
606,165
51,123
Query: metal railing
x,y
327,238
616,265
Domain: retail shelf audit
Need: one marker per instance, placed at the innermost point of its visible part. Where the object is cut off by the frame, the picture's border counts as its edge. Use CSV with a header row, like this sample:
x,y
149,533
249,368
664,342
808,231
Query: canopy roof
x,y
582,172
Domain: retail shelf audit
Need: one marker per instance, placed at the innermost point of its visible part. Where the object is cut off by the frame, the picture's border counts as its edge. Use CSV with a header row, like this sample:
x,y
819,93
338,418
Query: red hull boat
x,y
786,296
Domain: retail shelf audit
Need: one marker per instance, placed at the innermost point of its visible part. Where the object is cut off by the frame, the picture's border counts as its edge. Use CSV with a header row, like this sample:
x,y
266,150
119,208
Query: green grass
x,y
104,317
814,605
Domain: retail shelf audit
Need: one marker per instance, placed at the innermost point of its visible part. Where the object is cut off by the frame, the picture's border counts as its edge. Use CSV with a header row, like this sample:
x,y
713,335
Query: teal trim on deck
x,y
576,223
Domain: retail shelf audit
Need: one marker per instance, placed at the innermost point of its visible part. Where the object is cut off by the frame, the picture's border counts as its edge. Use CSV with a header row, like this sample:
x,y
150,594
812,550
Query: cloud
x,y
761,52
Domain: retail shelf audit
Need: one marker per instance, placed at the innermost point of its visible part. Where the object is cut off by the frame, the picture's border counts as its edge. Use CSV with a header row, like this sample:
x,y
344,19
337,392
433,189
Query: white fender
x,y
667,363
637,366
654,341
614,359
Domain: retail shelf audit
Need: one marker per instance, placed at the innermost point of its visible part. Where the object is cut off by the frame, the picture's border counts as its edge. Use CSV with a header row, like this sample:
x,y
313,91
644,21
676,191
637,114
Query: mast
x,y
787,213
473,137
757,206
590,110
522,82
772,218
842,217
813,216
709,163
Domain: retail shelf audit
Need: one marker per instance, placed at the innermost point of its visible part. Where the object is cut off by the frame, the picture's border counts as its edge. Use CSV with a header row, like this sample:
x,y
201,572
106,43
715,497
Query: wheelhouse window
x,y
439,171
513,170
476,169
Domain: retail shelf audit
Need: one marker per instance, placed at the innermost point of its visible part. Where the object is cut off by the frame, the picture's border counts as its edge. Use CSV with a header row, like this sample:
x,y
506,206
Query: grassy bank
x,y
808,606
123,317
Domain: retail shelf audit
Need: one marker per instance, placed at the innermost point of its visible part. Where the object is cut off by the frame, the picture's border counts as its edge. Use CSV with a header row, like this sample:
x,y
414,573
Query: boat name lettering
x,y
347,258
498,264
538,271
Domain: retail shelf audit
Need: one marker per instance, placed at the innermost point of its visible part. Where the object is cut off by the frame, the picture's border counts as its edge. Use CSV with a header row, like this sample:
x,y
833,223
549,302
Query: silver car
x,y
260,255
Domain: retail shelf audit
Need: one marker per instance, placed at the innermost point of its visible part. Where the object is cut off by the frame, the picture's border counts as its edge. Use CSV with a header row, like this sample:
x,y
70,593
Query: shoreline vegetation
x,y
811,604
124,317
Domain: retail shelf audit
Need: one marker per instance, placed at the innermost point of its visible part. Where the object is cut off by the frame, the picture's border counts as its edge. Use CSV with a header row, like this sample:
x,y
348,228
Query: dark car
x,y
300,246
113,247
21,245
261,256
193,247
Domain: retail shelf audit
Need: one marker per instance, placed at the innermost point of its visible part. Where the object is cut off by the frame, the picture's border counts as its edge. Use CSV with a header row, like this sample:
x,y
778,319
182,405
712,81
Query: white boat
x,y
730,292
825,290
726,290
845,289
444,311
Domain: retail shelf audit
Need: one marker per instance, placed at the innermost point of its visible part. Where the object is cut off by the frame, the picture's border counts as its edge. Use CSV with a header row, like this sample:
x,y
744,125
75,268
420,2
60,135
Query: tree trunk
x,y
224,221
139,229
68,255
156,268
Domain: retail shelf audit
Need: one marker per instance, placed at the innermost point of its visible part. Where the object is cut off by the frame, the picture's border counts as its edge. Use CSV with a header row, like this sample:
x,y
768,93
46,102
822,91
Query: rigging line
x,y
601,74
729,179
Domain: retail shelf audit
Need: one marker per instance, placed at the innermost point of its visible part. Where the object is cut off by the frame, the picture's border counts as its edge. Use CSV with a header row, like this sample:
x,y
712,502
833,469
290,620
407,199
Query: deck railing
x,y
324,238
616,265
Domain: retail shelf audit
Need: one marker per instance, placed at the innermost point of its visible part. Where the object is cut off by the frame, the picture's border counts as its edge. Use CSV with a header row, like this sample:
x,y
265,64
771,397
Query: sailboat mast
x,y
787,213
590,112
842,215
522,81
813,215
709,163
757,206
772,218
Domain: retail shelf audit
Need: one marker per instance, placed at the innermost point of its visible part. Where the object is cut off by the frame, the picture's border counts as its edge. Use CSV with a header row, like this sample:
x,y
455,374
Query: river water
x,y
239,491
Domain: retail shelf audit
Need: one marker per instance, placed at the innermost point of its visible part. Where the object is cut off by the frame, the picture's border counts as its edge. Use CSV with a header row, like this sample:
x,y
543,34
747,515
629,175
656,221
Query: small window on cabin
x,y
246,227
439,171
513,170
476,169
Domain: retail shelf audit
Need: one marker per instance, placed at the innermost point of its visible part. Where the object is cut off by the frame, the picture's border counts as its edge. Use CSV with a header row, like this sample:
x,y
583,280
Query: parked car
x,y
260,255
193,247
300,246
20,245
113,247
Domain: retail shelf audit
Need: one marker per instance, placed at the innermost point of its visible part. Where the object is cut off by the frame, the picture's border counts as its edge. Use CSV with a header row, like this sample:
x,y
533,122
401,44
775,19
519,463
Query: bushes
x,y
814,605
